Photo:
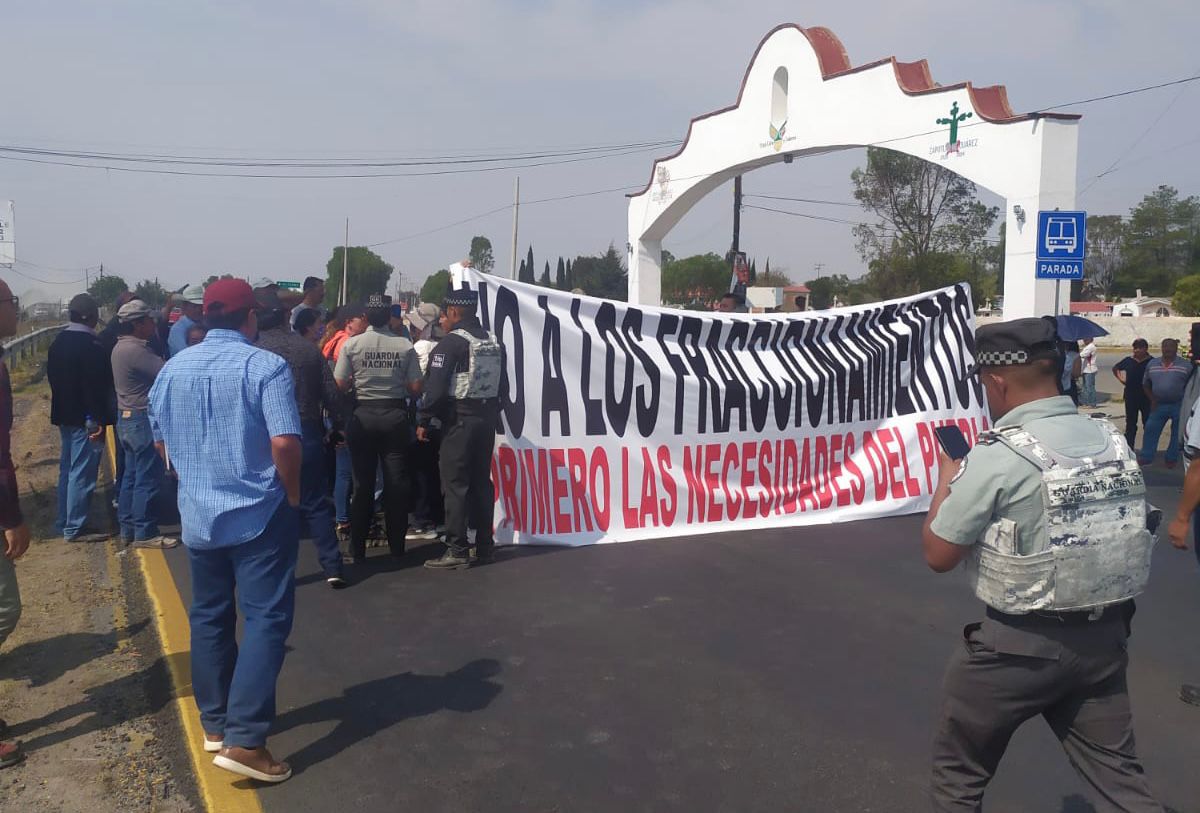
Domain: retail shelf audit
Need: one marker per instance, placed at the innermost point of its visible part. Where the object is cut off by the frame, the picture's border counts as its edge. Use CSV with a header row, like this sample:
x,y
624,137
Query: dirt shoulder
x,y
82,681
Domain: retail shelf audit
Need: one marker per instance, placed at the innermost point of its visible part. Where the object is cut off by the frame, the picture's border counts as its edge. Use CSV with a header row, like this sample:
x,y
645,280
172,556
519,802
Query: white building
x,y
1143,306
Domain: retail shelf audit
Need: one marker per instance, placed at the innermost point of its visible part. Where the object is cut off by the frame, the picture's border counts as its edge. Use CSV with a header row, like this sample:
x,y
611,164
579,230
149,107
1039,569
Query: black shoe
x,y
1190,694
449,562
485,557
337,581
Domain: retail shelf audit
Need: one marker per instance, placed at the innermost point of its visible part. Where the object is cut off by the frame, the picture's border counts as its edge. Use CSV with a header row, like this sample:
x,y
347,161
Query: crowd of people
x,y
233,405
244,419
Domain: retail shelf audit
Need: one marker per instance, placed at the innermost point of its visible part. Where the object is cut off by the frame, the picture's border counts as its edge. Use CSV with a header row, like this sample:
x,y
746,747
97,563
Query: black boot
x,y
449,561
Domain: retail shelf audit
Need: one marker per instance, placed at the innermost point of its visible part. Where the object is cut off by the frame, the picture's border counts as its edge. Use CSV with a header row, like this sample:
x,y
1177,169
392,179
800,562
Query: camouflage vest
x,y
482,378
1097,550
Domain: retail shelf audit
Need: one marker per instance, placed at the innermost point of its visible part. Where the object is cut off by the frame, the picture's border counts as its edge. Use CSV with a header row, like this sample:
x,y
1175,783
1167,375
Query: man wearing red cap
x,y
224,416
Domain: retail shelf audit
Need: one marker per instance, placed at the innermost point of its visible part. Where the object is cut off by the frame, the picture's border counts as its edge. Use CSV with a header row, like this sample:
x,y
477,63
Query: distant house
x,y
796,298
1143,306
1091,308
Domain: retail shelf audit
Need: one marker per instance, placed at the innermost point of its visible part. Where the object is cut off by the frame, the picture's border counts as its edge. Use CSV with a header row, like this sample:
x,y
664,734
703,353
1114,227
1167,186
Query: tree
x,y
696,281
545,280
570,277
366,272
436,287
560,276
1160,241
924,209
105,290
481,255
753,280
528,272
602,276
150,292
1105,253
773,279
1187,296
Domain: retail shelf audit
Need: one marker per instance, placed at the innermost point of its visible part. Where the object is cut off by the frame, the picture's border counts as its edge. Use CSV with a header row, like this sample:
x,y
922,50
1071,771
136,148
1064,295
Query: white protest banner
x,y
622,422
8,250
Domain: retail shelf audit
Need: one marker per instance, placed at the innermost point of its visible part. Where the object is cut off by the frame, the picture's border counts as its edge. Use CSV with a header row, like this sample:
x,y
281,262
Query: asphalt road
x,y
783,670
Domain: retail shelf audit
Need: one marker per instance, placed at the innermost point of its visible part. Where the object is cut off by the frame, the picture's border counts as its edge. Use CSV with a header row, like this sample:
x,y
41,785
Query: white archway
x,y
800,95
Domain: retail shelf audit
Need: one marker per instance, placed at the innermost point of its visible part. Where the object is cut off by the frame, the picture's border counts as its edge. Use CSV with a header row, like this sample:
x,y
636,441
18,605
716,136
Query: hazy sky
x,y
413,78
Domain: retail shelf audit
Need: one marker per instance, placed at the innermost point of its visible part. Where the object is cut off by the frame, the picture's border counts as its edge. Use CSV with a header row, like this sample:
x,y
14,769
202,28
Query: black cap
x,y
378,302
462,298
1020,341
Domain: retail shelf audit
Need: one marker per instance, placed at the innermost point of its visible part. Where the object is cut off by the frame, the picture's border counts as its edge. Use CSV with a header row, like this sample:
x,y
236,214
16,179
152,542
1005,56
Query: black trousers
x,y
1135,404
1010,670
426,480
466,467
379,433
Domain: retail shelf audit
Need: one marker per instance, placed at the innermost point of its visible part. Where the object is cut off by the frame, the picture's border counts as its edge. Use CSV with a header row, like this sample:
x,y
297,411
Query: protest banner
x,y
623,422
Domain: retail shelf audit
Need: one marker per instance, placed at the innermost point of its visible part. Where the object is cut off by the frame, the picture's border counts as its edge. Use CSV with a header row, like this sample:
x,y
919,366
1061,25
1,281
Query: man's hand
x,y
422,434
16,542
1178,531
98,434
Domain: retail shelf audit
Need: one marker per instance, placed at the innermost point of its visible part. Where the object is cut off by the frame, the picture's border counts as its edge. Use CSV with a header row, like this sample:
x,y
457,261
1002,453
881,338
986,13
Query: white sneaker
x,y
157,543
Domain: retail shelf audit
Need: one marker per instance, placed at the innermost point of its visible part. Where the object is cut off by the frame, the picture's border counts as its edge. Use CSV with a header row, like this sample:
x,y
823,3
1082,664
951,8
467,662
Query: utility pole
x,y
737,213
818,267
512,268
345,263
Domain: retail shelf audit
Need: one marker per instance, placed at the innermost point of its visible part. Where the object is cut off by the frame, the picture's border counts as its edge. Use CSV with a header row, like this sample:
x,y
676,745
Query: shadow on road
x,y
368,708
45,661
106,705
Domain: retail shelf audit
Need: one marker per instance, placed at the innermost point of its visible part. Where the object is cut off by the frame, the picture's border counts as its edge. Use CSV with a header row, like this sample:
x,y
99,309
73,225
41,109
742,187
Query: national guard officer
x,y
1049,513
462,388
382,369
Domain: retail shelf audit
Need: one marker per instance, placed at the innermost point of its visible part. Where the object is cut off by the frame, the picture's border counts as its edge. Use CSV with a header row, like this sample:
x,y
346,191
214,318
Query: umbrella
x,y
1072,328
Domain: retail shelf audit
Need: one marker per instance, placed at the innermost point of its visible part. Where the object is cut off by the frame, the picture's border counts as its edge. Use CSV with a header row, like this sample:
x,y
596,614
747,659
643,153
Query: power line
x,y
323,163
328,176
807,200
893,231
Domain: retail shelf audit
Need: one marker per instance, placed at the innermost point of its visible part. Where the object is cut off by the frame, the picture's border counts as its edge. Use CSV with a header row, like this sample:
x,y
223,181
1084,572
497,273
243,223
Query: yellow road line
x,y
120,617
217,788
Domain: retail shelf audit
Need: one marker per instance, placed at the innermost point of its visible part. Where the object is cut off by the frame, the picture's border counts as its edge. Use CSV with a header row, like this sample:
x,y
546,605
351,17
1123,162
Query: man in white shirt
x,y
1087,356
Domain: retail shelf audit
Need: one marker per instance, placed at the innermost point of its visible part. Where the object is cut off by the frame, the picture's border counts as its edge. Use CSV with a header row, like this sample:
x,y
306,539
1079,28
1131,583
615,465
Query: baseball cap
x,y
352,310
193,294
424,315
263,282
230,295
463,298
133,310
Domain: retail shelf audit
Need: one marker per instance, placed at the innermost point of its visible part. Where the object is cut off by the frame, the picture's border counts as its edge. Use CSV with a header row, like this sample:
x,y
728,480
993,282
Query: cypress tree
x,y
560,276
545,280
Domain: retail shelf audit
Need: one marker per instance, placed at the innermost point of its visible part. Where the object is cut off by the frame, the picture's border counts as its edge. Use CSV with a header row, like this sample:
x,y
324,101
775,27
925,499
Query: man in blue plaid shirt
x,y
224,416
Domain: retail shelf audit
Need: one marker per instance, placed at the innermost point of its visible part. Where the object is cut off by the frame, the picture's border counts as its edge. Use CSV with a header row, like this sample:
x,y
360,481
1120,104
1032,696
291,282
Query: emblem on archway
x,y
954,145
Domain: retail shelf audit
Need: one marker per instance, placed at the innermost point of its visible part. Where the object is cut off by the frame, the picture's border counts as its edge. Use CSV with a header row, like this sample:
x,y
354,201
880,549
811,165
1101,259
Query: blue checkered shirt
x,y
216,407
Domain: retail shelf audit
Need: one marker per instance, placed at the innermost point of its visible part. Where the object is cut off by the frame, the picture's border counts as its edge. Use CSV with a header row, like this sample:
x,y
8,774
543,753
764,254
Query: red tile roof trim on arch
x,y
913,78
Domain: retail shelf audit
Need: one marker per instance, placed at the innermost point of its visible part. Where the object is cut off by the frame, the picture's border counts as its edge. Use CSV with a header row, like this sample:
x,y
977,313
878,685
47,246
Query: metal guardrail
x,y
24,347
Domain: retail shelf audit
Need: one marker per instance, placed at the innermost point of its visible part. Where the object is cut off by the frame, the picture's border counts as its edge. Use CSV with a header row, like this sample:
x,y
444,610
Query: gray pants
x,y
1010,669
10,598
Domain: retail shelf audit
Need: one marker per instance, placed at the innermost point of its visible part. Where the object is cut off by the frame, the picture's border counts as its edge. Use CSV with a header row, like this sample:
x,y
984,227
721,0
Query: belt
x,y
383,403
128,413
1065,618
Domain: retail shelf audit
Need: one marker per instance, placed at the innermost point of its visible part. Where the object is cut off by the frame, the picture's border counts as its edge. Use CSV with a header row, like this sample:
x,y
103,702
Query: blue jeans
x,y
316,509
137,502
342,479
234,685
78,465
1088,398
1153,430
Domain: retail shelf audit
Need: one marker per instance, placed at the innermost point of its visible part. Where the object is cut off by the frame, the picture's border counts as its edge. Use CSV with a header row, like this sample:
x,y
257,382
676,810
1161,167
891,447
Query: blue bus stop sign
x,y
1061,244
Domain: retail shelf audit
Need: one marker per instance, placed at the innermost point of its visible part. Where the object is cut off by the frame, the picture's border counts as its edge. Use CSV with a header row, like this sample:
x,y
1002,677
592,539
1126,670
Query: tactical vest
x,y
482,378
1097,546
